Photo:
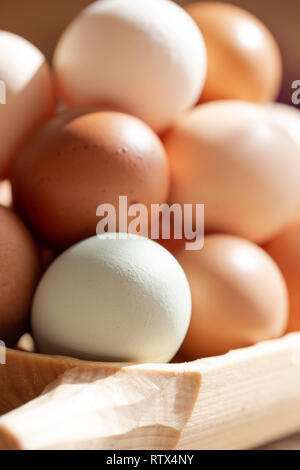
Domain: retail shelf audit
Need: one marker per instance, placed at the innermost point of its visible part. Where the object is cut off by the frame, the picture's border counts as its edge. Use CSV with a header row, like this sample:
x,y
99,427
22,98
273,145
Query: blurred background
x,y
42,22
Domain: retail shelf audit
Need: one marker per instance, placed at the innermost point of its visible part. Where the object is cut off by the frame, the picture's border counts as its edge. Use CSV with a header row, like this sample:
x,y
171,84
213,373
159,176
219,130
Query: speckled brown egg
x,y
19,272
80,160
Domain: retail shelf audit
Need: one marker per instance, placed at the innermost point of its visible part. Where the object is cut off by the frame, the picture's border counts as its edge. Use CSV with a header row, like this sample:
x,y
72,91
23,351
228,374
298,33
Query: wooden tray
x,y
241,400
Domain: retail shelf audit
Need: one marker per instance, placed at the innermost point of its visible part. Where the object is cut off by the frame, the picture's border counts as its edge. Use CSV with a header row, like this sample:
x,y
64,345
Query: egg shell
x,y
46,256
26,344
113,299
232,157
5,193
19,272
238,296
80,160
145,56
28,91
244,60
285,250
287,117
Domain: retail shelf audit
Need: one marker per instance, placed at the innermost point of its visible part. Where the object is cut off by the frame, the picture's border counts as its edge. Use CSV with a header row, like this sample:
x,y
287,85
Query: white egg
x,y
146,56
113,299
27,94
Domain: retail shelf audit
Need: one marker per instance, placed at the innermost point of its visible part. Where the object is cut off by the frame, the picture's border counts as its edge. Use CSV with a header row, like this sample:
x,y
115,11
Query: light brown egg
x,y
27,97
285,250
5,193
286,116
232,157
238,296
19,272
244,60
80,160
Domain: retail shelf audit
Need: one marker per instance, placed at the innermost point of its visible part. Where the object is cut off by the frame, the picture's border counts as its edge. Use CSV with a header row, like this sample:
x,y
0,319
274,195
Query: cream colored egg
x,y
234,158
113,300
147,57
27,94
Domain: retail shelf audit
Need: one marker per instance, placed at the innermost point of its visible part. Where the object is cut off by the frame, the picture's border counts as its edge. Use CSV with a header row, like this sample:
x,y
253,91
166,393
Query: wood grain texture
x,y
105,407
289,443
248,397
241,400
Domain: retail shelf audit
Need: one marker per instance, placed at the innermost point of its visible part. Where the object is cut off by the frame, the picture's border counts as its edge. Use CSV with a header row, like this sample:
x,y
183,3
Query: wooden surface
x,y
289,443
242,400
101,408
247,398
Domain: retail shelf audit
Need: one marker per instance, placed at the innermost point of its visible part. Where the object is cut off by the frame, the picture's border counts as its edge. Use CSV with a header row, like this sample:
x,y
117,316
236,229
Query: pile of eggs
x,y
163,105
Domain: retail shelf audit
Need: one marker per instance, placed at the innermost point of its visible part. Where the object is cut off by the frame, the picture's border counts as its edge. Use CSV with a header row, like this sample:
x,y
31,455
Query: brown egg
x,y
19,272
80,160
177,359
46,256
238,296
244,60
285,250
232,157
27,97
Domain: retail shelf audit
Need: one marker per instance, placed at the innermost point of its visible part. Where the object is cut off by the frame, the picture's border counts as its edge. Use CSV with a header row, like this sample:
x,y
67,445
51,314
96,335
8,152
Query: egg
x,y
28,93
145,56
286,116
113,299
81,160
19,272
5,193
46,256
285,250
244,60
238,296
26,344
232,157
